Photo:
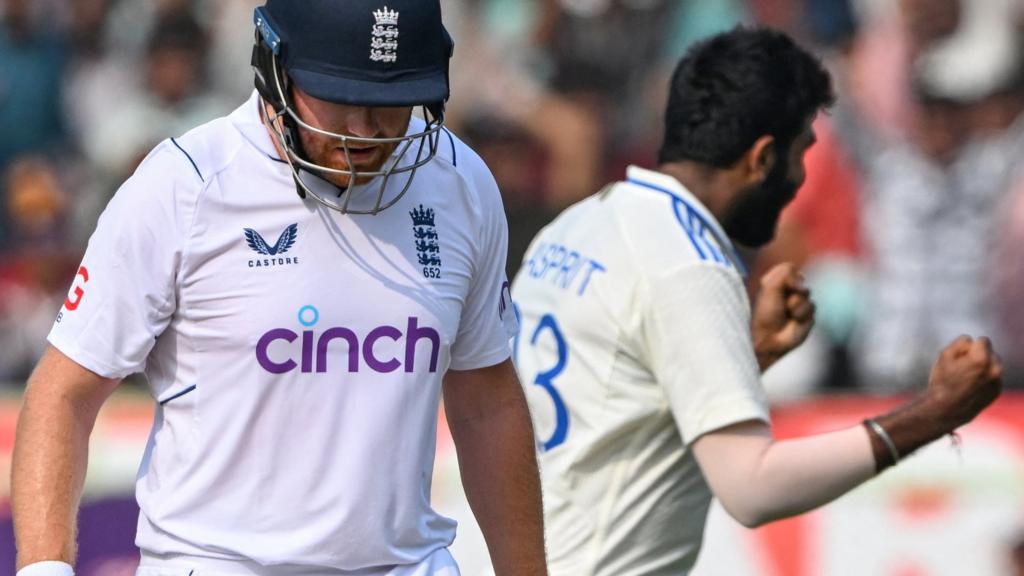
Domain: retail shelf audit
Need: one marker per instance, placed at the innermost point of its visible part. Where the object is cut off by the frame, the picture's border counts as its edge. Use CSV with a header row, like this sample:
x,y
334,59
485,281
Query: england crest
x,y
384,40
428,250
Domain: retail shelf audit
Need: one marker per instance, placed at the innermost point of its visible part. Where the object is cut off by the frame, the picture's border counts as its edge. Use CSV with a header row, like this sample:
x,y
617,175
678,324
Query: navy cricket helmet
x,y
371,53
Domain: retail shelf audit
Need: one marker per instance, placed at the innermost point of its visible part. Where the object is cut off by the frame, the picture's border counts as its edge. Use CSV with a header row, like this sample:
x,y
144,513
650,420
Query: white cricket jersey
x,y
634,341
295,353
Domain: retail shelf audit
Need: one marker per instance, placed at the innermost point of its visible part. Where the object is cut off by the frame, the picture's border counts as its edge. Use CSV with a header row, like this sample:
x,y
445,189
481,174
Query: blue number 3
x,y
546,380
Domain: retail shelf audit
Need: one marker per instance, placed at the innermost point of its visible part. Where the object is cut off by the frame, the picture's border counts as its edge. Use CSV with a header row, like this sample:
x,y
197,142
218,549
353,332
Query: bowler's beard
x,y
752,217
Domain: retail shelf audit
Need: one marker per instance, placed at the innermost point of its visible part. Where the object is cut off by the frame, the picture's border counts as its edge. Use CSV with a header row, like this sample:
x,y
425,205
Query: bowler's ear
x,y
760,159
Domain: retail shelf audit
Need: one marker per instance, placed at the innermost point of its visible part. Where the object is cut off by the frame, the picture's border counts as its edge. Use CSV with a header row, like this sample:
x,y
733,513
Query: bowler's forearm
x,y
498,464
47,473
823,466
755,477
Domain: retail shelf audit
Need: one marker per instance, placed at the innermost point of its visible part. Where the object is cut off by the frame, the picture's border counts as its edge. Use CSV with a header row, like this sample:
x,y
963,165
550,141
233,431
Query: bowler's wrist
x,y
910,426
766,353
47,568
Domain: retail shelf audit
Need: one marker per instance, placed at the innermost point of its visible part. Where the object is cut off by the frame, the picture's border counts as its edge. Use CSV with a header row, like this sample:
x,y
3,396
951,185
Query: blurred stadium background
x,y
910,227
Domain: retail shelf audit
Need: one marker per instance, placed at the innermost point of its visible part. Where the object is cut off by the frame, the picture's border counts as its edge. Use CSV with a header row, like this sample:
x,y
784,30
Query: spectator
x,y
602,71
34,270
32,62
36,204
878,69
30,95
171,97
935,169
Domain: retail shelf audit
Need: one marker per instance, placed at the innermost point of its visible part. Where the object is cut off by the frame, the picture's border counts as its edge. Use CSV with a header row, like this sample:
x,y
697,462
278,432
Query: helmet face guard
x,y
411,151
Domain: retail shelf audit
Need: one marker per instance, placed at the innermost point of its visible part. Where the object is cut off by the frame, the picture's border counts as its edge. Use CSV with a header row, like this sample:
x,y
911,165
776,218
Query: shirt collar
x,y
248,120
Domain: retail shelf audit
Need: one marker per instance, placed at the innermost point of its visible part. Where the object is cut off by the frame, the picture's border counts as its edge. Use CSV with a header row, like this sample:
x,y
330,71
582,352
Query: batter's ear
x,y
760,158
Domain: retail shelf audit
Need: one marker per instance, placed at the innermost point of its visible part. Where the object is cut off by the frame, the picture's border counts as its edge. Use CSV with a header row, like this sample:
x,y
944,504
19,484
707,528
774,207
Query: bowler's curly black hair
x,y
735,87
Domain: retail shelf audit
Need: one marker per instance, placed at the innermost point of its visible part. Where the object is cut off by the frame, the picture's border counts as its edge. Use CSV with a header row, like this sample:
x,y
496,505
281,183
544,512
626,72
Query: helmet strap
x,y
274,88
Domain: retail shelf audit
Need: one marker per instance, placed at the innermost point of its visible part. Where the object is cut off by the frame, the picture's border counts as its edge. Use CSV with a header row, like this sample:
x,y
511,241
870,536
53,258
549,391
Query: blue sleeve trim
x,y
695,226
178,395
175,142
687,229
701,233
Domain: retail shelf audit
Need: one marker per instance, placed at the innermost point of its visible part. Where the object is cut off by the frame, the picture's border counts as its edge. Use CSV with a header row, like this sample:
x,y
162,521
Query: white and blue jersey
x,y
295,354
634,341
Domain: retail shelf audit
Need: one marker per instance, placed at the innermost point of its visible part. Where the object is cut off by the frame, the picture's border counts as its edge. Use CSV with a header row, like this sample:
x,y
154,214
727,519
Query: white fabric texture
x,y
47,568
296,354
439,563
635,340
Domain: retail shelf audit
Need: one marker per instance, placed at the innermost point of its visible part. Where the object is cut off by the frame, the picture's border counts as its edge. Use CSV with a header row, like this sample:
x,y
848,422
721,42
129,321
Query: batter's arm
x,y
50,454
490,423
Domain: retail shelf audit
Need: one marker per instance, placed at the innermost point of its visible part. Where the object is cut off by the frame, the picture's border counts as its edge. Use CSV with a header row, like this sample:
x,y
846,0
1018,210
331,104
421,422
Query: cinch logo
x,y
356,351
285,241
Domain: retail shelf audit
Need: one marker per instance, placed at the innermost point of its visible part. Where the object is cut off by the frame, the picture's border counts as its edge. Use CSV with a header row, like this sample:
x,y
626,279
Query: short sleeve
x,y
488,322
696,327
123,296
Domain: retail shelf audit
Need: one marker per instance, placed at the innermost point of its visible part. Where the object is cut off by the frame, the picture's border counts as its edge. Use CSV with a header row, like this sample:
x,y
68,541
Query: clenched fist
x,y
783,314
965,379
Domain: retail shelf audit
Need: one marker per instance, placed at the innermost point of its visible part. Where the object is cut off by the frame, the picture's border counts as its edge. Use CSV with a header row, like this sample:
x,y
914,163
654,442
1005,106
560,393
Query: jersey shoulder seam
x,y
190,159
218,129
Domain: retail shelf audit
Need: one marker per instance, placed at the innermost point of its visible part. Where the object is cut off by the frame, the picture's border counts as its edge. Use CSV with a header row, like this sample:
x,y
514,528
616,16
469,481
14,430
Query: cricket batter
x,y
298,281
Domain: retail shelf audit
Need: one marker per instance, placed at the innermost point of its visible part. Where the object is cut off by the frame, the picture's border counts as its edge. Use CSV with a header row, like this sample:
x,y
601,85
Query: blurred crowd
x,y
910,227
